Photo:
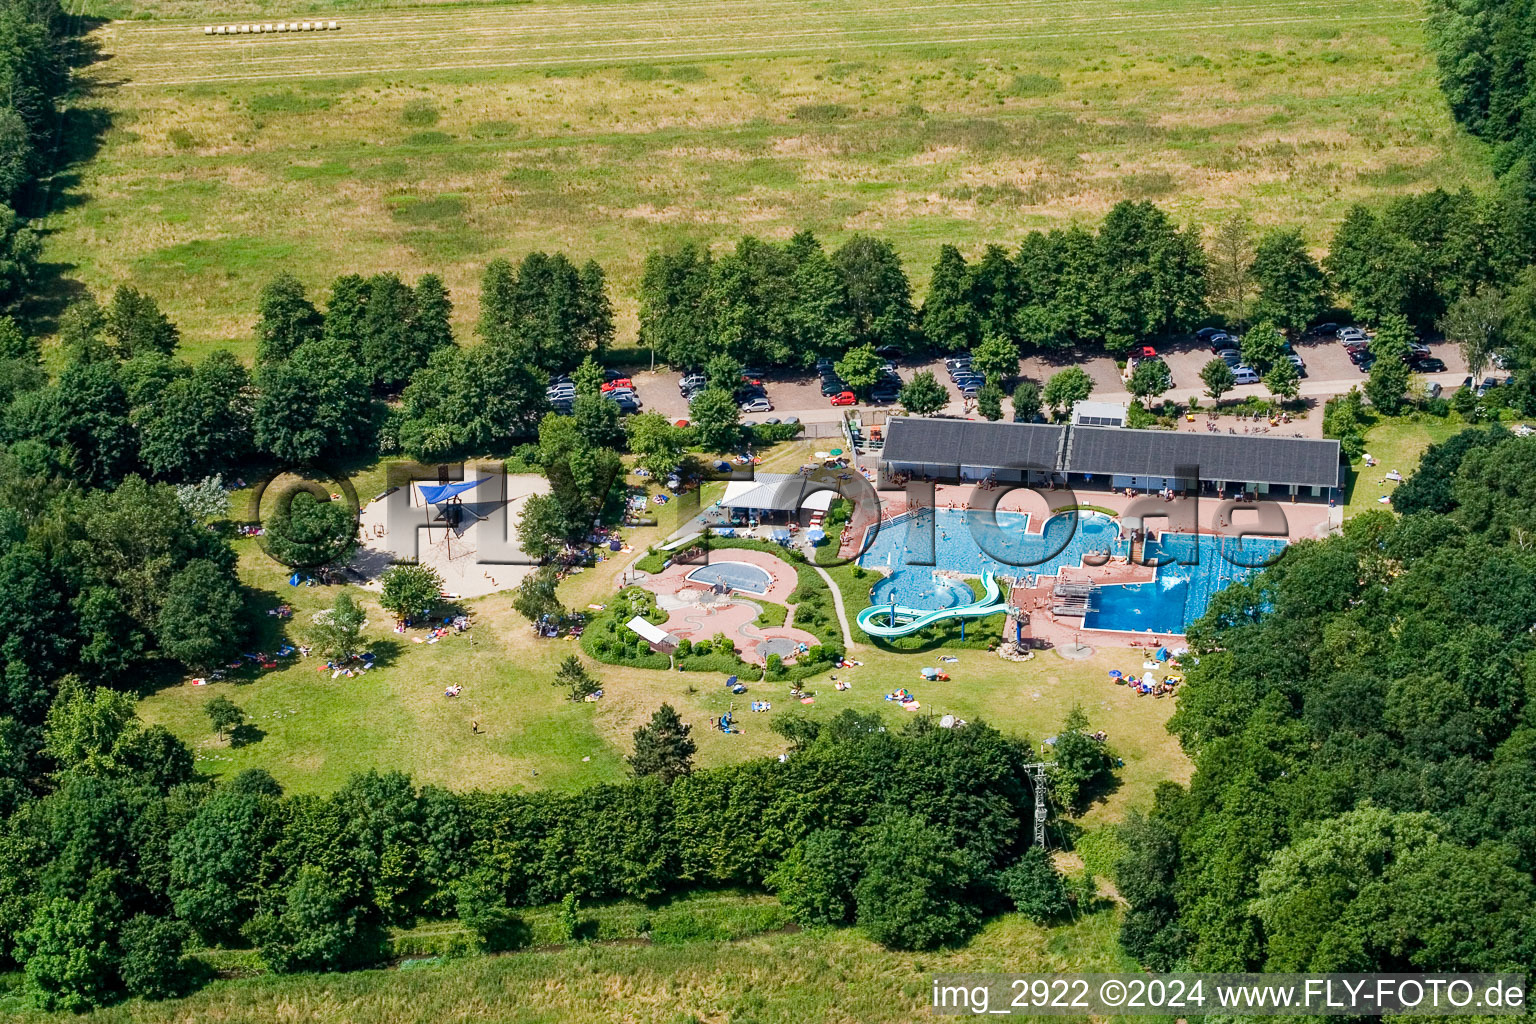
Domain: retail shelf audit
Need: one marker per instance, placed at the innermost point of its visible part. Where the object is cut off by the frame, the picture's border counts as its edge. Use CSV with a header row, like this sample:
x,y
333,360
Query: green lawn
x,y
431,139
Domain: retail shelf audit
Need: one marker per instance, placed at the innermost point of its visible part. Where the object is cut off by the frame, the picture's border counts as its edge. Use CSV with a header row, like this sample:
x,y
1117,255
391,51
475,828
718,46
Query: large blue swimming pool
x,y
913,546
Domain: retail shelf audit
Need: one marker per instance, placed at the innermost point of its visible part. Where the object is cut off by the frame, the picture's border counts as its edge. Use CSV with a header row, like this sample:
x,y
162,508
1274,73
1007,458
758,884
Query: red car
x,y
622,382
1144,352
844,398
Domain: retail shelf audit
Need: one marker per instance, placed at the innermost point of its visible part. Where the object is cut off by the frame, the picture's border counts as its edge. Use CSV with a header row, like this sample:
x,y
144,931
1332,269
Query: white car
x,y
1245,375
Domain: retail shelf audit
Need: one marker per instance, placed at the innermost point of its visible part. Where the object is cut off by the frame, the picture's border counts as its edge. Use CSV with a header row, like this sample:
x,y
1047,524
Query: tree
x,y
318,924
577,682
70,962
1388,381
879,295
989,401
1231,266
817,314
196,423
410,589
88,729
202,618
1283,381
154,964
536,595
205,501
1263,347
1476,323
542,526
1066,388
1034,887
227,855
1026,401
657,444
223,714
137,326
1292,288
996,358
389,348
480,400
304,530
482,907
314,405
992,291
948,321
815,878
662,747
1150,378
859,369
1150,276
676,319
1218,378
716,419
913,892
286,320
337,631
1083,764
923,395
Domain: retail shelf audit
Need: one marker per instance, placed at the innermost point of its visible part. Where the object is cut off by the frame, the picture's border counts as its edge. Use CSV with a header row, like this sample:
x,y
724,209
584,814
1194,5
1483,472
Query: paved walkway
x,y
837,604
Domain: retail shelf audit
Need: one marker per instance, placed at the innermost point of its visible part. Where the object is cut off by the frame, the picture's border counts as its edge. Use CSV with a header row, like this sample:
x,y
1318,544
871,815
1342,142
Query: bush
x,y
153,964
482,907
914,893
1034,887
815,879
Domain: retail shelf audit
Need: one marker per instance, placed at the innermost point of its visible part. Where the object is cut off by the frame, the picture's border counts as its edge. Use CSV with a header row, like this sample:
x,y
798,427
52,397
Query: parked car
x,y
757,405
771,421
1327,330
692,381
1205,334
1358,353
1434,390
1498,360
1365,362
1348,334
1143,352
971,386
1221,341
954,363
622,382
833,386
889,352
791,419
611,374
883,396
843,398
1428,364
1230,356
562,391
1301,367
1245,374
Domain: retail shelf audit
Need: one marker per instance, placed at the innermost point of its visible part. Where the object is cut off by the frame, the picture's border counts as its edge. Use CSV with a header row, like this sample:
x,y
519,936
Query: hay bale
x,y
332,26
207,30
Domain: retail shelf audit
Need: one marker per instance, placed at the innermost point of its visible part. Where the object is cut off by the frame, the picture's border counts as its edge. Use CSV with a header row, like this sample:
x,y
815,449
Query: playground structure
x,y
889,621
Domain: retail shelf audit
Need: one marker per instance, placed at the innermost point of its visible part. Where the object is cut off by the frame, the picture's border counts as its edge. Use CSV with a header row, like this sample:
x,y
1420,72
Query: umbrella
x,y
929,673
837,451
731,681
815,536
1114,673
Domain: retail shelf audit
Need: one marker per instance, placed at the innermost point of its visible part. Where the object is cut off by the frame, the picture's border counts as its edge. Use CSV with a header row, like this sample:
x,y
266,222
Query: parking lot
x,y
1328,372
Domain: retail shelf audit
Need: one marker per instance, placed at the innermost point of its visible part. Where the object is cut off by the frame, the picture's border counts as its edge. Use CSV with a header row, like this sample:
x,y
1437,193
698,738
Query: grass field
x,y
829,977
435,137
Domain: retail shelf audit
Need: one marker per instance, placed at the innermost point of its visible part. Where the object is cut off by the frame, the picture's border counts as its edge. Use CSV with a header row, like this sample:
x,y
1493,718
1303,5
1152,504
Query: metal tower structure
x,y
1037,776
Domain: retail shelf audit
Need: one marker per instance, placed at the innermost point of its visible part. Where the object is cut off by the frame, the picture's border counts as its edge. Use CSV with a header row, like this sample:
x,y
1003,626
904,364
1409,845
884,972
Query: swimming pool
x,y
1180,593
966,542
920,588
1177,596
743,576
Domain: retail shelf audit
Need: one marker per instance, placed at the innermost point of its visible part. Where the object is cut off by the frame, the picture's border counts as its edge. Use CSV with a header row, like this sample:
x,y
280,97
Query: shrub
x,y
482,907
153,964
1034,886
815,879
914,890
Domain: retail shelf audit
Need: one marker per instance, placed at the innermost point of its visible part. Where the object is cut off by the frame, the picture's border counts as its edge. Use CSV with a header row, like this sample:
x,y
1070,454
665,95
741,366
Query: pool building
x,y
1088,457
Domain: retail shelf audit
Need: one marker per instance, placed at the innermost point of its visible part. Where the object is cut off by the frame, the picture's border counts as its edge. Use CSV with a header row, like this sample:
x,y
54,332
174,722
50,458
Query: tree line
x,y
125,858
1360,719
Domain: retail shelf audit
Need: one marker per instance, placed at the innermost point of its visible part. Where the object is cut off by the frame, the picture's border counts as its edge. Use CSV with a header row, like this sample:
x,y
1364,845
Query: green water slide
x,y
887,622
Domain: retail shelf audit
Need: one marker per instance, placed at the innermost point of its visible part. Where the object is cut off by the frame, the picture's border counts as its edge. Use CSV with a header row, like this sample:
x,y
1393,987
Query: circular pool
x,y
920,588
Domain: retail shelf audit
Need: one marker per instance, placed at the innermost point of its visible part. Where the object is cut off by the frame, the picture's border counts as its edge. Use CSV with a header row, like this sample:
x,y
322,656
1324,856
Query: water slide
x,y
899,621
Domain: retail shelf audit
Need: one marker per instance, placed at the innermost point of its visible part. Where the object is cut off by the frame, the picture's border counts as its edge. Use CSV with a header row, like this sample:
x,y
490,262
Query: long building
x,y
1108,458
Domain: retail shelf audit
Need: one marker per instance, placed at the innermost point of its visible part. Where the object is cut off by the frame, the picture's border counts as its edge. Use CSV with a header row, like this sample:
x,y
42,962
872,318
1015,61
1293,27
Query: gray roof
x,y
968,442
1112,451
1236,458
